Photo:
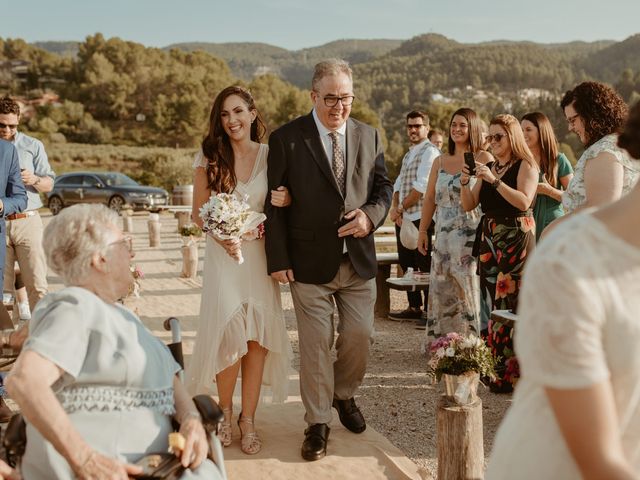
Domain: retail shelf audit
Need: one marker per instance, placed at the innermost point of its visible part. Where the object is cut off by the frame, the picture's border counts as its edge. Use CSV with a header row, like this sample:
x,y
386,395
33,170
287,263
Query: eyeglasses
x,y
332,101
572,119
415,126
127,241
496,137
6,125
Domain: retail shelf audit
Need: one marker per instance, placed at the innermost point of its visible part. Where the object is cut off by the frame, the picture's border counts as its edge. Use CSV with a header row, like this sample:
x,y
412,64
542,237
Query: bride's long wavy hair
x,y
216,146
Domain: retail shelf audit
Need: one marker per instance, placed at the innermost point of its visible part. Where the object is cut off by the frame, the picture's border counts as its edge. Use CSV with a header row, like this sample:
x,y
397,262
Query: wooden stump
x,y
460,443
184,218
189,260
381,308
154,230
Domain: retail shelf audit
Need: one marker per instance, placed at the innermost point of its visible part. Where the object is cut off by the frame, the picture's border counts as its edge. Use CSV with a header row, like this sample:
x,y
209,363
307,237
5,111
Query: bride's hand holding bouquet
x,y
229,220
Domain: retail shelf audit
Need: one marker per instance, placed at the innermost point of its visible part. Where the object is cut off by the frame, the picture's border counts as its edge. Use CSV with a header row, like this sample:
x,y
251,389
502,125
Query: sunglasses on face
x,y
496,137
6,125
127,241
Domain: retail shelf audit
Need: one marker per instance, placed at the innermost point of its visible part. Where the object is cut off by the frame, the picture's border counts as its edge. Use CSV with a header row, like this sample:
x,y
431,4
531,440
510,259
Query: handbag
x,y
157,466
408,235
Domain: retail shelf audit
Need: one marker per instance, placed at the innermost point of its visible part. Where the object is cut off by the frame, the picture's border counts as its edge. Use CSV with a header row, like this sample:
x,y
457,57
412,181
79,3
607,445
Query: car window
x,y
118,180
89,181
70,180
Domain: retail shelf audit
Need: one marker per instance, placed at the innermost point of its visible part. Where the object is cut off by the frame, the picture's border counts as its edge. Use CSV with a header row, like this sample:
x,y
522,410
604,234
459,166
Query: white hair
x,y
76,234
331,66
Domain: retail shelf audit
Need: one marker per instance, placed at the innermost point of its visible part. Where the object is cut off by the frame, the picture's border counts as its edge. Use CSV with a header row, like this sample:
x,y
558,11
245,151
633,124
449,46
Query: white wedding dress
x,y
240,303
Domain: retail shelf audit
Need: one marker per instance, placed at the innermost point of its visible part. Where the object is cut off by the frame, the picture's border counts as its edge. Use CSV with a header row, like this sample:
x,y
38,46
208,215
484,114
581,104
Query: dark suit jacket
x,y
12,191
304,236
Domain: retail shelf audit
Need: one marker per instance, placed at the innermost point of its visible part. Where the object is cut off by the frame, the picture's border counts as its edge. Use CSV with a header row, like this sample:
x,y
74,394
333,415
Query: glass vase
x,y
462,389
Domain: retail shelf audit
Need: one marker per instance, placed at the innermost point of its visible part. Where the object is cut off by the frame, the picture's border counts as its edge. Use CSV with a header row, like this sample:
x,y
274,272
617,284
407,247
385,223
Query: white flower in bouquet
x,y
450,352
440,353
228,217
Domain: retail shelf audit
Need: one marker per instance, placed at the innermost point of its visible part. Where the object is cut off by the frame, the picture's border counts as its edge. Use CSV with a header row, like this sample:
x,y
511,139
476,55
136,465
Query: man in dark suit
x,y
323,245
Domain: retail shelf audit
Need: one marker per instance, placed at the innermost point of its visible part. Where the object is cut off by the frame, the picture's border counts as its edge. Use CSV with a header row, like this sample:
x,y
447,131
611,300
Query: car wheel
x,y
116,203
55,205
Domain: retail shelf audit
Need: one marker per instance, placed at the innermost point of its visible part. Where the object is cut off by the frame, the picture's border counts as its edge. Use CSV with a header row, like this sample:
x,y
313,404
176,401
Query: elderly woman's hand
x,y
280,197
8,473
98,467
196,445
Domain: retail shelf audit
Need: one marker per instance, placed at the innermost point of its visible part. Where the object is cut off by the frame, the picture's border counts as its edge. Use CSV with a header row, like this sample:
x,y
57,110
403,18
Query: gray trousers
x,y
320,377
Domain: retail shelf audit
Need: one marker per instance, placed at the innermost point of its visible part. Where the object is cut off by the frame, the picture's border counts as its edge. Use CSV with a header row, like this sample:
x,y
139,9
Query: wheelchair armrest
x,y
15,439
210,412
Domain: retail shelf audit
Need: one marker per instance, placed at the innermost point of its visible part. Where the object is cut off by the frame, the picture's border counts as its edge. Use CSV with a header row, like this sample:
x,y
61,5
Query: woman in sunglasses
x,y
555,170
505,190
604,172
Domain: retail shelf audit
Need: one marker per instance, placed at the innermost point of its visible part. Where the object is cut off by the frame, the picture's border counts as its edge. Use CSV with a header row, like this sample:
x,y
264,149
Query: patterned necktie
x,y
337,165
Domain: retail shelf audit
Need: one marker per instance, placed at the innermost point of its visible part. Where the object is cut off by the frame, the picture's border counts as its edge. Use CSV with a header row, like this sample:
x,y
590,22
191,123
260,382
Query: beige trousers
x,y
24,245
322,378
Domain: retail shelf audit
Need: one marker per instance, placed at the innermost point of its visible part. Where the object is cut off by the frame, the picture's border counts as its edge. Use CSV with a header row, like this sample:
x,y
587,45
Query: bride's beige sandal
x,y
250,443
224,433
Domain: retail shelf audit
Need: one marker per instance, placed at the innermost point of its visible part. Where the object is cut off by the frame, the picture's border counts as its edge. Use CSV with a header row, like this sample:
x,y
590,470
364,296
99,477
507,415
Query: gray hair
x,y
331,66
74,236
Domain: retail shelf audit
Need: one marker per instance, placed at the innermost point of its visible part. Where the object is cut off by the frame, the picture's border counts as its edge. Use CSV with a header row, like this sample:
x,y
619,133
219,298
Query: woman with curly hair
x,y
505,190
555,170
241,321
576,410
604,172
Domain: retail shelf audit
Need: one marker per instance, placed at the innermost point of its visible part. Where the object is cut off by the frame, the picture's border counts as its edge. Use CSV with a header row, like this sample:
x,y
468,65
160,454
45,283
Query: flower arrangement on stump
x,y
190,233
461,360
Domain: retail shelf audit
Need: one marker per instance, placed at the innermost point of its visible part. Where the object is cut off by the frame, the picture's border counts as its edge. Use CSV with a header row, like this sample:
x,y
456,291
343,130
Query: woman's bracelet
x,y
496,183
87,460
464,184
189,414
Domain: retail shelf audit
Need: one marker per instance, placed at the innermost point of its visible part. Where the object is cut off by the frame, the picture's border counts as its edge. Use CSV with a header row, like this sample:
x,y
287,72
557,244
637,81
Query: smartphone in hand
x,y
470,161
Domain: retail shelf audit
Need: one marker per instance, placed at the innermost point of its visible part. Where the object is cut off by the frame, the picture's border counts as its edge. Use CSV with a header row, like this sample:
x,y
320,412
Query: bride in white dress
x,y
241,323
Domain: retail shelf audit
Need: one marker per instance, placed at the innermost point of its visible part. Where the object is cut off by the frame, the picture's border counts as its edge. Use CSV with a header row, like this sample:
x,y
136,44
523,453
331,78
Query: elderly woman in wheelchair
x,y
97,390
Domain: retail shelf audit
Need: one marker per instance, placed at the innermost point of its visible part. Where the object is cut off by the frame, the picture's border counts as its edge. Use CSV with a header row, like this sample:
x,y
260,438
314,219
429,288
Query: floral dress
x,y
454,302
507,237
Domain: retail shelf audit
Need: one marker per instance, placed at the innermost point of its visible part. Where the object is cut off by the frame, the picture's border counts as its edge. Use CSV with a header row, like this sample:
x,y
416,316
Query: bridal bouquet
x,y
227,217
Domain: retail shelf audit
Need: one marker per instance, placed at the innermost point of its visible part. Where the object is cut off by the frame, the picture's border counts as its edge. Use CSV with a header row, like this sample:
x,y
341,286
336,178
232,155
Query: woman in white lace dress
x,y
576,410
241,320
604,172
96,388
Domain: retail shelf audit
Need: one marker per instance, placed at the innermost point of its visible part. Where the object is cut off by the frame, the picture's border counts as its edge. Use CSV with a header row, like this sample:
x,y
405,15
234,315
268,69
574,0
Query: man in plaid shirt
x,y
408,192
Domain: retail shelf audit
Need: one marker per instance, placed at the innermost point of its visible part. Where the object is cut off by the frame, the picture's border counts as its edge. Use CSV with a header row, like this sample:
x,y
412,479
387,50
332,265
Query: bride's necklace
x,y
501,168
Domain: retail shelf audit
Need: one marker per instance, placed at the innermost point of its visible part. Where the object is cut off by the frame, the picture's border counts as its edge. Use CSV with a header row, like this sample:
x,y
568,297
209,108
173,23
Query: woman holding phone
x,y
454,304
505,190
555,170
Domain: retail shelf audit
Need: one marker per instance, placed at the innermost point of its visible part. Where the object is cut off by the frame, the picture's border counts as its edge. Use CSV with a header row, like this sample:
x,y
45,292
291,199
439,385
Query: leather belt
x,y
18,216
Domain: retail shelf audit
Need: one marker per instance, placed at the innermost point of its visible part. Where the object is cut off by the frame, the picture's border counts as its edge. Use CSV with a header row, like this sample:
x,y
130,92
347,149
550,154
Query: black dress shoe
x,y
350,415
314,446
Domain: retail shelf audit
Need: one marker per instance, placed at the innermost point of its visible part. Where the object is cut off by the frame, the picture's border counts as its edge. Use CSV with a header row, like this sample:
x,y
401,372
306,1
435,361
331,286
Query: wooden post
x,y
189,260
127,222
183,219
154,230
460,444
383,302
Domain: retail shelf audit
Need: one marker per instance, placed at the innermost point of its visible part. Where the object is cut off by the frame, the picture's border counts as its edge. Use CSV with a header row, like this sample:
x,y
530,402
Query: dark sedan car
x,y
115,190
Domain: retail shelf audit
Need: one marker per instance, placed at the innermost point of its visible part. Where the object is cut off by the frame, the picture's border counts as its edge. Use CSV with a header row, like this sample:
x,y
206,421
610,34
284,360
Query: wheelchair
x,y
15,439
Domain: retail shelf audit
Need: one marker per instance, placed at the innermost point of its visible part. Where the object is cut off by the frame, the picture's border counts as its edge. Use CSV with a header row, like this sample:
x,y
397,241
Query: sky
x,y
295,24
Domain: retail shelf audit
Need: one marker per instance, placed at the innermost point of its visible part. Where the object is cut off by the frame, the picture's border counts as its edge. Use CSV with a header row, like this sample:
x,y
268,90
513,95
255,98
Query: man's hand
x,y
283,276
359,226
29,178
